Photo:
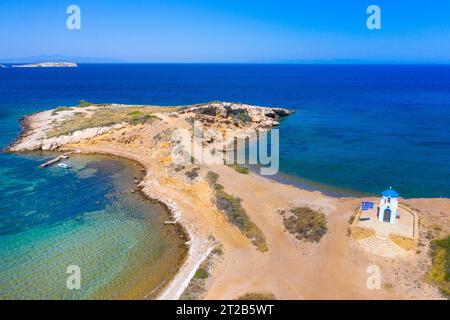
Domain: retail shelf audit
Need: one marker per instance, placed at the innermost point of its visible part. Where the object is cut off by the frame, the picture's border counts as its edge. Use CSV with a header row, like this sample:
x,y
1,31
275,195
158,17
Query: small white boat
x,y
64,165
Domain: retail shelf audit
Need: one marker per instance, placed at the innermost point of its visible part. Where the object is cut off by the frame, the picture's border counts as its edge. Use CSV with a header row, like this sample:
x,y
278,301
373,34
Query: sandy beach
x,y
333,268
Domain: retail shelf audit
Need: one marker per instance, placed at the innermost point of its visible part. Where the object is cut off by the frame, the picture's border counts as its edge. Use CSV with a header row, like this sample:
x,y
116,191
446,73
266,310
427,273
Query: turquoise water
x,y
356,128
54,218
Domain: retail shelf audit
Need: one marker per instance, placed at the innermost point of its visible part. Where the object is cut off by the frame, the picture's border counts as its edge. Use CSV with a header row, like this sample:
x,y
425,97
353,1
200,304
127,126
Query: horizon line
x,y
238,62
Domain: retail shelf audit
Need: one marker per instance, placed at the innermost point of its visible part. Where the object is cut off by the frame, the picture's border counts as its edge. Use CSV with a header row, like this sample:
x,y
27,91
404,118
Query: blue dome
x,y
390,193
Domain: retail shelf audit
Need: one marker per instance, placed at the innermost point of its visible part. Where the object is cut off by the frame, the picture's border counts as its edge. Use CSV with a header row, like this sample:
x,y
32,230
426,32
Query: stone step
x,y
381,246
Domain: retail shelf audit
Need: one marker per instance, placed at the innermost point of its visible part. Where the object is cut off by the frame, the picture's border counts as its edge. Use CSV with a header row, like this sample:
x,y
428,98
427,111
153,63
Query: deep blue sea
x,y
357,129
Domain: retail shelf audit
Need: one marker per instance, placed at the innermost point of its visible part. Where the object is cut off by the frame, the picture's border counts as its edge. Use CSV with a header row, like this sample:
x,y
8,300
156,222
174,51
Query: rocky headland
x,y
238,241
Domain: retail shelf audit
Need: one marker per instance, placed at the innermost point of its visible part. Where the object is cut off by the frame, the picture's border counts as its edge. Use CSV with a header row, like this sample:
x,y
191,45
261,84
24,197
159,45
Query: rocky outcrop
x,y
227,110
57,142
242,120
235,115
40,142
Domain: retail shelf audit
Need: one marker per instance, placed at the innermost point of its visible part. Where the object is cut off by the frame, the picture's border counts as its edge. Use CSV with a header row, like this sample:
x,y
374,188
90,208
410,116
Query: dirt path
x,y
291,270
334,268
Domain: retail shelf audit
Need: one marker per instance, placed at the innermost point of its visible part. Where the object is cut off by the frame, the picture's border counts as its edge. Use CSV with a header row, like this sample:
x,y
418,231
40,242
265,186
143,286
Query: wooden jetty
x,y
55,160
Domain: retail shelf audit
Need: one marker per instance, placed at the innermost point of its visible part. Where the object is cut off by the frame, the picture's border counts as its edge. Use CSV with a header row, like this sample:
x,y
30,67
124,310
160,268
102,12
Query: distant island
x,y
47,65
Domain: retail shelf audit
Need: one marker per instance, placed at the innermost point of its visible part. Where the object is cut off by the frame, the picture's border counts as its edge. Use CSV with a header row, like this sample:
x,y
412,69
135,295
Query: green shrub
x,y
305,223
212,177
140,119
240,169
352,218
197,286
201,274
135,113
218,250
84,103
257,296
192,174
244,118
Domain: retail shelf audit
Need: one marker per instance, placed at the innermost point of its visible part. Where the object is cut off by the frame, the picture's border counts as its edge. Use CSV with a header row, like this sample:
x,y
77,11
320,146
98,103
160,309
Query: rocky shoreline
x,y
210,115
174,214
335,268
34,137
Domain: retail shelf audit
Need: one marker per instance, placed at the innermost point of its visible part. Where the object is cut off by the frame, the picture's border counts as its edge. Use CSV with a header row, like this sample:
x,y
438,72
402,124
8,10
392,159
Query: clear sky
x,y
228,30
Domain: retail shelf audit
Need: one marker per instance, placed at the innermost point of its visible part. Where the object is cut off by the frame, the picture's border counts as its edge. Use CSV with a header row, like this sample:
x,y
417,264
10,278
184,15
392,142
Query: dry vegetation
x,y
434,242
198,284
239,169
439,273
305,223
59,109
104,116
257,296
359,233
236,214
192,174
84,104
403,242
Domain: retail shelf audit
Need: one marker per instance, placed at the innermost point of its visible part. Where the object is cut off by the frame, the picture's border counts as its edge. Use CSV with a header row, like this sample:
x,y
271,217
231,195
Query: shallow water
x,y
86,216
